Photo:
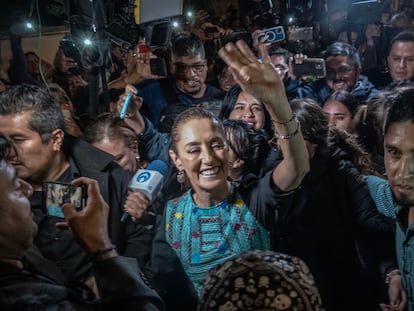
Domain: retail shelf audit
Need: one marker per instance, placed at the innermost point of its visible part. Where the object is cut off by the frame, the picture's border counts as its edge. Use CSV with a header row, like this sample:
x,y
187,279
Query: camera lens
x,y
271,36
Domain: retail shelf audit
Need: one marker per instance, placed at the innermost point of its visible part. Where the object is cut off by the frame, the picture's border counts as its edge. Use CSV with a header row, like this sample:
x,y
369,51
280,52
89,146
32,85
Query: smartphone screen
x,y
310,67
56,194
212,29
158,66
274,34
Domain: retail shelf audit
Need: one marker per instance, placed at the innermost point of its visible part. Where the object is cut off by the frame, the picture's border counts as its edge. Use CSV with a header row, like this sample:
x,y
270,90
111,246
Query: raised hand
x,y
258,78
133,117
90,225
136,204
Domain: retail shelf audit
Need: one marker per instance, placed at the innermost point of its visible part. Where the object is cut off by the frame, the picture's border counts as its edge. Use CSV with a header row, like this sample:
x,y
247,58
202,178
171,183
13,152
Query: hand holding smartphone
x,y
310,67
90,226
56,194
272,35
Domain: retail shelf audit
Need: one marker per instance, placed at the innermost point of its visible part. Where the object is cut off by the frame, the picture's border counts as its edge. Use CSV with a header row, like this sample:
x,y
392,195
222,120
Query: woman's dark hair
x,y
314,122
349,143
346,99
110,126
371,131
248,145
230,100
315,129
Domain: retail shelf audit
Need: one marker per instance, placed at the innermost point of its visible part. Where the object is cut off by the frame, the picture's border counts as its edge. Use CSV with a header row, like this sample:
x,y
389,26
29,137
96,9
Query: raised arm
x,y
260,79
133,116
156,143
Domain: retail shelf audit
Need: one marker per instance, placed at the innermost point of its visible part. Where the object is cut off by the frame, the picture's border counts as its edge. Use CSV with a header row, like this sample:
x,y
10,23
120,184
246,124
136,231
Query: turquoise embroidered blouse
x,y
205,237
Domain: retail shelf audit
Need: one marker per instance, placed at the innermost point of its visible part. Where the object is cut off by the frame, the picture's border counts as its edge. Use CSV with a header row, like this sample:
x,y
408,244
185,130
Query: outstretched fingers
x,y
240,59
247,53
231,56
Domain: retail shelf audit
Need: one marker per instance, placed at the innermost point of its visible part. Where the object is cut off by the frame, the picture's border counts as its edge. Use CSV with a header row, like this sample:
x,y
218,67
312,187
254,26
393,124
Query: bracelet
x,y
286,122
290,135
100,253
390,275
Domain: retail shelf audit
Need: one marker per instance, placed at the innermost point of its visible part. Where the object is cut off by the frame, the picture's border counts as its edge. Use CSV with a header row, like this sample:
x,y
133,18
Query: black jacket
x,y
334,226
120,282
320,91
57,245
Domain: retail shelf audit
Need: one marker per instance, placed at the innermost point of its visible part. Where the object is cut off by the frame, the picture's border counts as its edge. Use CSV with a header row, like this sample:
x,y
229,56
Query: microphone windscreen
x,y
159,166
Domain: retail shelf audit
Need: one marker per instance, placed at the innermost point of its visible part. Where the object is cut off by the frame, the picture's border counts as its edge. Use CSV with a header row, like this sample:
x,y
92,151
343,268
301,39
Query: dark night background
x,y
52,11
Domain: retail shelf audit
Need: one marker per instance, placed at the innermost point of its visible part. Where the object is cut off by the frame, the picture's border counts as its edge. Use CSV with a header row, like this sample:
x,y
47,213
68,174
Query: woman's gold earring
x,y
181,177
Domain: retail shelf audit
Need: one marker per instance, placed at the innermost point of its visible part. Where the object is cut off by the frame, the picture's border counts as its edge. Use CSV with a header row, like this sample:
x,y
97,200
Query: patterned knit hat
x,y
260,280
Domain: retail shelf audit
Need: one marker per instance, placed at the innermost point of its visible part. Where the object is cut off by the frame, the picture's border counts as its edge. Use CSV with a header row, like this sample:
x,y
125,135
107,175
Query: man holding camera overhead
x,y
343,73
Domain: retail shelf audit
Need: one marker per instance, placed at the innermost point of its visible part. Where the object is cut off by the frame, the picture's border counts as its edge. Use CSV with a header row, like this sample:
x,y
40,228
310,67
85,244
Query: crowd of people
x,y
282,192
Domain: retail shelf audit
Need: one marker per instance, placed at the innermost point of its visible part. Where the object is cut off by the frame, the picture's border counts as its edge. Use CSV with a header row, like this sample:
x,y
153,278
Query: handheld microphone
x,y
125,106
149,181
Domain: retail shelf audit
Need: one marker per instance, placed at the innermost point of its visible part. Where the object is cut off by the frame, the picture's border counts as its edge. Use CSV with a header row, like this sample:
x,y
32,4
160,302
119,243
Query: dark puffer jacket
x,y
320,91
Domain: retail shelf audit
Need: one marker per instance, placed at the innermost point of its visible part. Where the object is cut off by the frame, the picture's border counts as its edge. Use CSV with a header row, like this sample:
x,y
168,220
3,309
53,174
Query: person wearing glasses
x,y
282,61
30,282
343,73
165,98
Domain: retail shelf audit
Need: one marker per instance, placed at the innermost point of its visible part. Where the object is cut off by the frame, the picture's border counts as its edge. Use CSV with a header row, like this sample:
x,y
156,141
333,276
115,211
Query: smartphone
x,y
158,66
235,36
300,34
310,67
211,29
55,194
274,34
69,49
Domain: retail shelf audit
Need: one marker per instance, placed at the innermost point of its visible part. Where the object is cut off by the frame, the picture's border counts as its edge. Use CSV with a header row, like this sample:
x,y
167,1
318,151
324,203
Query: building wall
x,y
45,46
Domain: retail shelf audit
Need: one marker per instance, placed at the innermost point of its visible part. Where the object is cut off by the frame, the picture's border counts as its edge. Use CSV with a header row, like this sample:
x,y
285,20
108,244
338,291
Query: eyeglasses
x,y
184,68
343,71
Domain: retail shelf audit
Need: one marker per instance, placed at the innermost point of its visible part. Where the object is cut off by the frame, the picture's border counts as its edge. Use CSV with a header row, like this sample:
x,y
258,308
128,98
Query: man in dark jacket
x,y
164,98
33,121
29,282
343,73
